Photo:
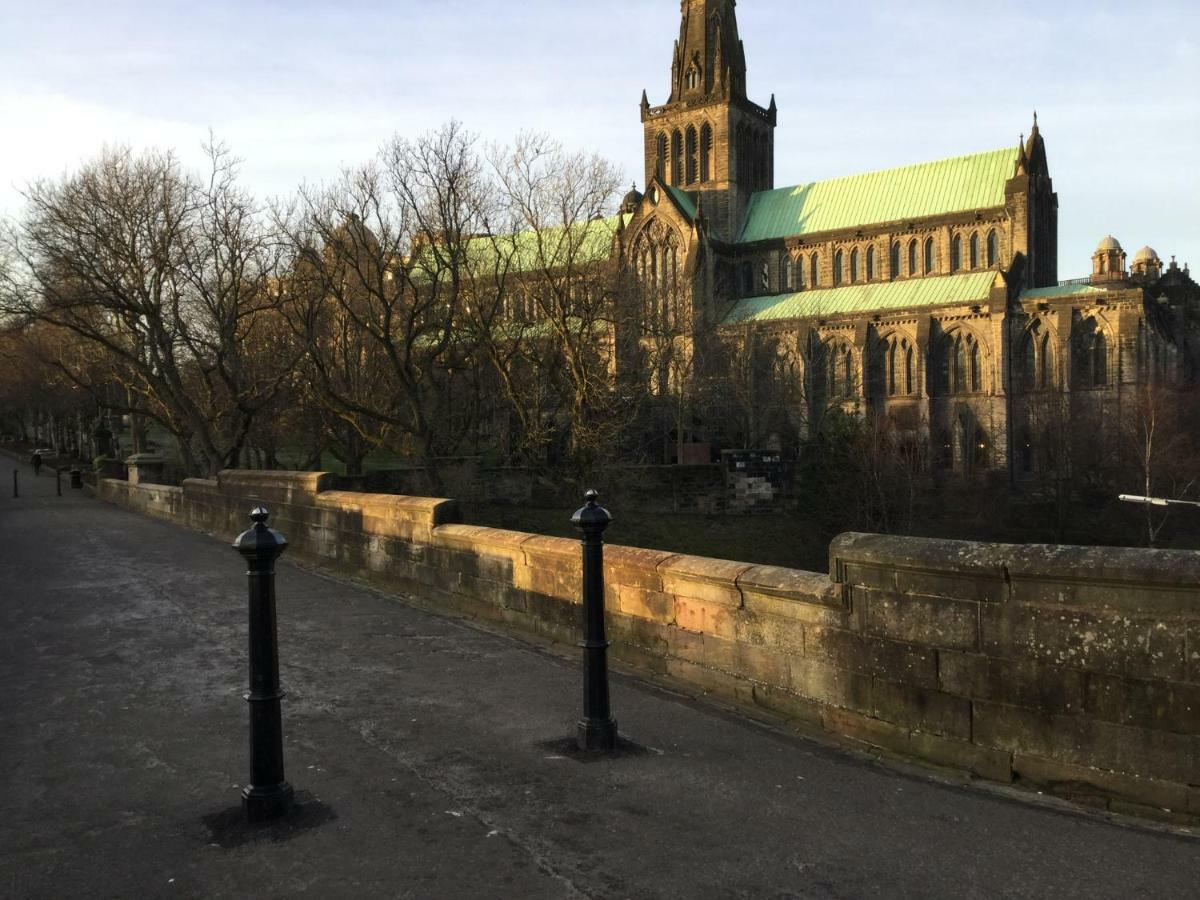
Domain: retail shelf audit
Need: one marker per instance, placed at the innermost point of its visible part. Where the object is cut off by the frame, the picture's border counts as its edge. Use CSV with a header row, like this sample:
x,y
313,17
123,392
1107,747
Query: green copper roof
x,y
534,251
911,192
862,298
684,200
1060,290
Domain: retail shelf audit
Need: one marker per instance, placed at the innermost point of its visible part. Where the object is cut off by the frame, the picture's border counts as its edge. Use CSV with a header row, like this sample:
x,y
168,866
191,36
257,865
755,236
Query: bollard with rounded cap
x,y
597,730
268,795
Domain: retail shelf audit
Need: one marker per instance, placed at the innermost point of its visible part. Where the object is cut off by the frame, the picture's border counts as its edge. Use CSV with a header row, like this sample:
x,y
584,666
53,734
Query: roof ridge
x,y
889,170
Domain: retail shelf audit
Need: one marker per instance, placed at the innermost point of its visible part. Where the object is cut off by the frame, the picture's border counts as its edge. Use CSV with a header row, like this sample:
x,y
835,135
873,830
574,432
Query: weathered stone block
x,y
994,765
1016,682
930,621
645,604
634,567
1150,704
712,581
827,684
920,709
711,681
783,634
1192,641
787,703
274,487
1072,781
866,729
687,645
705,617
1111,643
763,665
907,663
791,593
1088,742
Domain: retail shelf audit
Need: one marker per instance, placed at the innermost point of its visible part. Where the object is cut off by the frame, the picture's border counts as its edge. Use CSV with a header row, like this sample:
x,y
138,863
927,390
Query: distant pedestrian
x,y
37,464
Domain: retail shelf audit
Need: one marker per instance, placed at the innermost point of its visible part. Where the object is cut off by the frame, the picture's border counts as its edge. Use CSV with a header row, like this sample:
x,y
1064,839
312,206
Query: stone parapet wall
x,y
1073,669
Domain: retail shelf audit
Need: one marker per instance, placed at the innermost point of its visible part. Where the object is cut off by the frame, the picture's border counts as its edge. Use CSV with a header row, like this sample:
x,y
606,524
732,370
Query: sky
x,y
300,88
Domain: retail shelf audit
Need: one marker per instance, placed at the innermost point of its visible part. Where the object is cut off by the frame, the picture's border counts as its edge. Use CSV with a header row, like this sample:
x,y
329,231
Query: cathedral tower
x,y
709,139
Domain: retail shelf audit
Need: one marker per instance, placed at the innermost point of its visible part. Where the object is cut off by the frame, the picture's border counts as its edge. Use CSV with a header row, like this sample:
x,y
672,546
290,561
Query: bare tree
x,y
558,205
169,276
379,289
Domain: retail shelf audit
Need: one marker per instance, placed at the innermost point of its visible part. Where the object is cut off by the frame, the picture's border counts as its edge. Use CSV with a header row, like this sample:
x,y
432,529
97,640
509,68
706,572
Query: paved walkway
x,y
424,751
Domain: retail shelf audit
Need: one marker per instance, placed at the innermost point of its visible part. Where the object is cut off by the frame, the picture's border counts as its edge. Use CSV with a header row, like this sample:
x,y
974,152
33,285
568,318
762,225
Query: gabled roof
x,y
553,247
1061,290
887,296
911,192
684,201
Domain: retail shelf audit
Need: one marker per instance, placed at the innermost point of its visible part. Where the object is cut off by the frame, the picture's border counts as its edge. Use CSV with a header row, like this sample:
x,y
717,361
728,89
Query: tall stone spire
x,y
709,58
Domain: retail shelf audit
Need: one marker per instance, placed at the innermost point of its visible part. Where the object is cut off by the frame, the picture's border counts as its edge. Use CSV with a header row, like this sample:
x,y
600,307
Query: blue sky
x,y
300,88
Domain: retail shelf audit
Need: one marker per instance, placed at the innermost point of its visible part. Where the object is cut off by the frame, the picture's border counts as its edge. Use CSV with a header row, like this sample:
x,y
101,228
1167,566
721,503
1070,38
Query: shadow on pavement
x,y
229,828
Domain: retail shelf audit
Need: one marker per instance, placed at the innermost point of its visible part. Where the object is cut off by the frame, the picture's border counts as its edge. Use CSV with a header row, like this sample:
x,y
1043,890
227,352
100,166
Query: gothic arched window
x,y
814,270
894,261
870,263
975,251
993,249
956,254
930,257
838,261
1045,363
747,279
693,156
1100,361
854,258
676,158
1026,359
660,157
764,277
705,152
839,371
912,257
656,256
801,279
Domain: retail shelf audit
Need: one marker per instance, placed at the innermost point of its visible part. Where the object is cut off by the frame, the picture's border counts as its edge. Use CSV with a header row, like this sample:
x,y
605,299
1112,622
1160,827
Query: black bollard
x,y
268,795
597,730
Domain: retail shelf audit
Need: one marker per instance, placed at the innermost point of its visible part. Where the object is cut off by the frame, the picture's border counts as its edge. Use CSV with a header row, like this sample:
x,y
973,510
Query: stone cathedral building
x,y
927,294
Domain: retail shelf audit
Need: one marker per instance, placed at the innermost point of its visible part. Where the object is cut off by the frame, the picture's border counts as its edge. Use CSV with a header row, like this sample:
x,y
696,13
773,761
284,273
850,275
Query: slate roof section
x,y
892,195
888,296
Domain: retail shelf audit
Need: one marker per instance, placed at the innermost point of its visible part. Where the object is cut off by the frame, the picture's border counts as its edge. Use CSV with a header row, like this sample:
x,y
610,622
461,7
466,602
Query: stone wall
x,y
1076,670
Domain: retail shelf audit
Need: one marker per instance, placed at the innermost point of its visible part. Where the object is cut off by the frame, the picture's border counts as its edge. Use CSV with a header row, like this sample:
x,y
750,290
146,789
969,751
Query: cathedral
x,y
926,296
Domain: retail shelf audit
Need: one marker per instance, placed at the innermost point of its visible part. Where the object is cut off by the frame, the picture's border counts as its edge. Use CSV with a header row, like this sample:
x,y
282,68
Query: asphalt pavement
x,y
428,757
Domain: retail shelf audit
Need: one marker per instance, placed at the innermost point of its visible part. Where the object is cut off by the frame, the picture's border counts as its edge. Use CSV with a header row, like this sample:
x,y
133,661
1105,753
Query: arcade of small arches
x,y
857,263
684,157
689,153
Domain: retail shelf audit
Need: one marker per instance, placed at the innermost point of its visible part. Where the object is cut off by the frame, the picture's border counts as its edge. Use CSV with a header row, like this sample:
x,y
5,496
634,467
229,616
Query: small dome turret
x,y
631,202
1108,262
1147,265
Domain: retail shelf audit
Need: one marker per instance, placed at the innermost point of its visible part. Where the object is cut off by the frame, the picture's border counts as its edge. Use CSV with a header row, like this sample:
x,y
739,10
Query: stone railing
x,y
1073,669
